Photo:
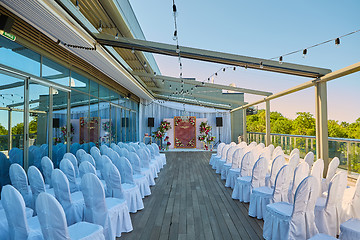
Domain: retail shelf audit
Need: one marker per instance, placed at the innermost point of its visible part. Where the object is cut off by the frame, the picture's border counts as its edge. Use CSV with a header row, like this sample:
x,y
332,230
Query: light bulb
x,y
145,64
132,51
304,53
280,60
177,49
117,36
261,65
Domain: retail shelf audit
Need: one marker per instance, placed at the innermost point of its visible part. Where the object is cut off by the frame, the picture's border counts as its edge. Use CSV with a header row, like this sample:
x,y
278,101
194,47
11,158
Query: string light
x,y
145,64
337,41
304,53
280,60
132,51
117,36
100,26
261,65
77,5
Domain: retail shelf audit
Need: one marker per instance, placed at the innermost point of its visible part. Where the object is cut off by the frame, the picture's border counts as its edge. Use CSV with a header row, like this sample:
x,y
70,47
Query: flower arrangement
x,y
178,121
160,132
82,122
64,131
167,142
191,143
56,140
205,135
178,143
192,121
106,126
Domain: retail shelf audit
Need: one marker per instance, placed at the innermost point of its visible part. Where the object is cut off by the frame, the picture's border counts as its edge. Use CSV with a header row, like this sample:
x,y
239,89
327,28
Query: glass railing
x,y
347,150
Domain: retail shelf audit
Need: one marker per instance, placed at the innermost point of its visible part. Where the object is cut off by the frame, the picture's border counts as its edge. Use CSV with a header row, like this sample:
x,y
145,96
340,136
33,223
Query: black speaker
x,y
6,23
56,122
150,122
219,122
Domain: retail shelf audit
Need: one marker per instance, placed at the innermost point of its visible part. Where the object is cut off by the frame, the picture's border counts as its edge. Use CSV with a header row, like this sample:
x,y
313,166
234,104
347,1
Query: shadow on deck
x,y
189,201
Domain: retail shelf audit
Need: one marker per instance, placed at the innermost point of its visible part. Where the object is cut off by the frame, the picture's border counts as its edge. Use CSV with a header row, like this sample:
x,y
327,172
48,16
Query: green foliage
x,y
3,130
303,124
18,129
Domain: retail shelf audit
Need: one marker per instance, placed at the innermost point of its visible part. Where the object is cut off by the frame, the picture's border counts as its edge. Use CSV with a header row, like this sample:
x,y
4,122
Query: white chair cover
x,y
333,165
74,162
351,209
294,151
97,157
4,169
350,230
328,210
19,180
54,225
247,164
309,158
93,150
301,172
103,149
217,154
124,189
321,236
317,171
87,157
139,179
72,203
221,162
276,152
293,162
293,221
145,166
157,152
68,169
20,227
37,183
228,163
86,167
244,185
111,213
79,154
264,195
47,167
123,152
234,171
222,155
277,163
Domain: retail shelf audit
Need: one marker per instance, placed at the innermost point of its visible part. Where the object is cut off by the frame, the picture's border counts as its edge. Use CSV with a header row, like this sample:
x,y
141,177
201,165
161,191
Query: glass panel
x,y
94,123
38,123
103,92
123,125
16,56
79,82
104,112
113,124
12,99
60,102
55,72
118,124
79,118
94,88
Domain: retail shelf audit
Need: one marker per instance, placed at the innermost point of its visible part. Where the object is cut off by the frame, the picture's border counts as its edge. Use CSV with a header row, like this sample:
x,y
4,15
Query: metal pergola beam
x,y
209,85
210,56
193,102
328,77
209,97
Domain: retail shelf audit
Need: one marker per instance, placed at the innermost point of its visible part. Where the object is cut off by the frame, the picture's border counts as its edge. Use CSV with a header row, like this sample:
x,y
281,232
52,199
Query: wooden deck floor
x,y
189,201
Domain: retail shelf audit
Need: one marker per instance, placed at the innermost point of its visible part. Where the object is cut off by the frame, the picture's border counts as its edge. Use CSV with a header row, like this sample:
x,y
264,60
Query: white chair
x,y
227,165
20,227
74,161
247,164
309,158
54,224
328,210
19,180
262,196
130,189
123,152
103,149
333,165
277,163
145,166
301,172
154,166
317,171
293,221
72,203
222,155
79,154
222,161
157,153
157,161
68,169
293,162
234,171
351,208
294,151
350,230
217,154
139,178
87,157
121,189
111,213
87,167
47,167
37,184
276,152
244,185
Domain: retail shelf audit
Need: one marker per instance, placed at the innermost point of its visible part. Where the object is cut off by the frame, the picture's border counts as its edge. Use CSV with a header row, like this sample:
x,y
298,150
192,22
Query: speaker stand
x,y
219,141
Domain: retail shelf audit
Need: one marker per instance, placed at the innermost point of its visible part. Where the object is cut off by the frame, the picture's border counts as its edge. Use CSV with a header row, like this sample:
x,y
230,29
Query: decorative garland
x,y
178,143
64,131
205,134
160,132
106,126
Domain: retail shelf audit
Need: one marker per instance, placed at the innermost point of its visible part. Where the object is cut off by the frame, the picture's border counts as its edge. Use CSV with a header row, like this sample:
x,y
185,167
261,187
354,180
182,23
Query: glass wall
x,y
66,109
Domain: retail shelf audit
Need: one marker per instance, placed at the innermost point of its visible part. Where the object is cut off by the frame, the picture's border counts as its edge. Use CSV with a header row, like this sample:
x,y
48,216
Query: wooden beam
x,y
209,85
209,97
210,56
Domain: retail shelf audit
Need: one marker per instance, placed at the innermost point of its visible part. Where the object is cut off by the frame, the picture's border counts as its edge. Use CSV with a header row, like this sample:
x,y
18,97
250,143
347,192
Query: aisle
x,y
189,201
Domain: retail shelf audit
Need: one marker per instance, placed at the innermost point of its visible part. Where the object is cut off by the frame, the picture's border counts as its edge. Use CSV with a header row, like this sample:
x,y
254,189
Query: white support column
x,y
244,126
50,117
322,141
68,122
9,129
267,121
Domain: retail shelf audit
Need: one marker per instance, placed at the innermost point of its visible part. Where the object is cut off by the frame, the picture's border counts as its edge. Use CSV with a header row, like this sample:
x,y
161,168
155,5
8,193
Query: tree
x,y
3,130
282,125
336,130
353,130
18,129
304,124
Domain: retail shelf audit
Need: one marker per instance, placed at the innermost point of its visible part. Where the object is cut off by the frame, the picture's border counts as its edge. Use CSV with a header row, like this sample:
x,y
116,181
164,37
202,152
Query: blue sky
x,y
263,29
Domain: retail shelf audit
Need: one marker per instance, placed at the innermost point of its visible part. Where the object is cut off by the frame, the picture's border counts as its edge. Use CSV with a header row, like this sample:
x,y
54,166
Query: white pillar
x,y
267,121
244,126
